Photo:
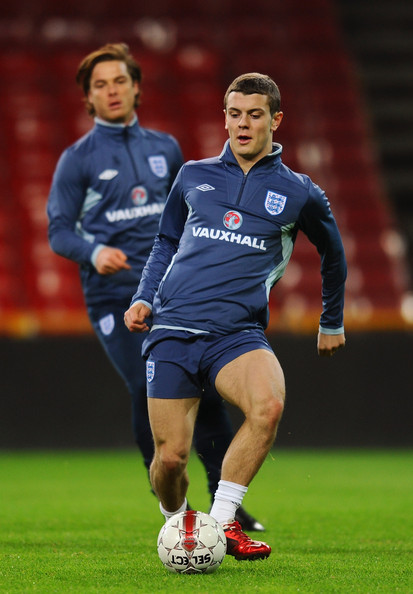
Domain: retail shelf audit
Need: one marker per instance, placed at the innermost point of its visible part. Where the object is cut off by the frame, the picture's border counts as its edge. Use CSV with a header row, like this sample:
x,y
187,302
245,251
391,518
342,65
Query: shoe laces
x,y
236,527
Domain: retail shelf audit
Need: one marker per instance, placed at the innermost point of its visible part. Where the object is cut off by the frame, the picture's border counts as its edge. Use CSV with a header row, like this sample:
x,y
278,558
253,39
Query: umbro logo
x,y
108,174
205,187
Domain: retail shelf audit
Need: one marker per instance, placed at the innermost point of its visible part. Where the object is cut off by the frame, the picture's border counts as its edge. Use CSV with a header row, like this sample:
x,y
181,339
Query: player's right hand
x,y
110,260
135,317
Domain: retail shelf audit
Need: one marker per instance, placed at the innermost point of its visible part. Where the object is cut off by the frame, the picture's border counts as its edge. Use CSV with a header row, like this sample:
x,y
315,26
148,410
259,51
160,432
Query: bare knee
x,y
266,414
275,411
172,460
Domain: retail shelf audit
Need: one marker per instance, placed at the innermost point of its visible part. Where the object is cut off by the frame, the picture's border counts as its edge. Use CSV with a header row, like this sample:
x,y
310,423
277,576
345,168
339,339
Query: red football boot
x,y
241,546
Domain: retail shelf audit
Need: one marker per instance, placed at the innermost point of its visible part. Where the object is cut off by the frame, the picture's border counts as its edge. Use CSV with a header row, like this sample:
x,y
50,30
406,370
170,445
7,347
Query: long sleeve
x,y
64,209
166,243
317,222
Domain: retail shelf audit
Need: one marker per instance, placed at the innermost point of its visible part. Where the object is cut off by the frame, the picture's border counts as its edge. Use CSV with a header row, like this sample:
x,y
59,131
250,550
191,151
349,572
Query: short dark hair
x,y
107,53
254,82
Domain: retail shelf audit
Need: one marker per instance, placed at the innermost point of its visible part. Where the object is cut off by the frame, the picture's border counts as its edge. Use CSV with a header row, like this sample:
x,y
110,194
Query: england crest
x,y
150,371
274,203
158,165
107,323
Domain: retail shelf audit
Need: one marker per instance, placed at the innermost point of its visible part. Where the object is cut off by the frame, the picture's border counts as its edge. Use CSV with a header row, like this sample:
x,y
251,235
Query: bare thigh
x,y
251,379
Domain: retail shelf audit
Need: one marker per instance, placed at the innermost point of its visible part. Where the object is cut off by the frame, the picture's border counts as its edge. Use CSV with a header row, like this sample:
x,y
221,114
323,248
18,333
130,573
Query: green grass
x,y
338,521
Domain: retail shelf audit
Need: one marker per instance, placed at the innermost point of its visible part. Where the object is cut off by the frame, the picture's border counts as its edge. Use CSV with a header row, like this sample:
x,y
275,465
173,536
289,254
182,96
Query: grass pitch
x,y
338,521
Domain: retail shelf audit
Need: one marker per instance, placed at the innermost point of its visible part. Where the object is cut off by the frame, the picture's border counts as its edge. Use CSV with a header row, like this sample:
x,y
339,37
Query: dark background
x,y
62,392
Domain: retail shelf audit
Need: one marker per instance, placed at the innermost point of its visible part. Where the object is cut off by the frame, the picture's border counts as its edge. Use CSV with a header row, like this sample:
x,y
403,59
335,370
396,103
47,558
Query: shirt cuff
x,y
149,305
331,331
95,253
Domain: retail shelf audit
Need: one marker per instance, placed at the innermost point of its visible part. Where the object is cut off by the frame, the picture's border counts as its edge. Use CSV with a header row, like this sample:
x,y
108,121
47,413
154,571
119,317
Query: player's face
x,y
250,127
112,92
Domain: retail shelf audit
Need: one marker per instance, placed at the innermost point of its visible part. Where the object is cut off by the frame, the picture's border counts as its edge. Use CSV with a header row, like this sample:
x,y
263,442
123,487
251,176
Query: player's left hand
x,y
328,344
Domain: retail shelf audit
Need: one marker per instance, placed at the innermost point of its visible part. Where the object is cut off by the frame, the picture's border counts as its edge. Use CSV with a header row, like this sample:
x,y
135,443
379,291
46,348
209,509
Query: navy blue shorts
x,y
182,364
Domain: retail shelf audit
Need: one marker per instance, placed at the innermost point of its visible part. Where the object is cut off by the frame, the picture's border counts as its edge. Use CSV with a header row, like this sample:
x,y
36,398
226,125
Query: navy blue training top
x,y
109,189
225,239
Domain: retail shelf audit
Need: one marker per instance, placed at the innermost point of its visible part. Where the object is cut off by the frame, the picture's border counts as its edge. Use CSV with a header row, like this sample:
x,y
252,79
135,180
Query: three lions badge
x,y
274,203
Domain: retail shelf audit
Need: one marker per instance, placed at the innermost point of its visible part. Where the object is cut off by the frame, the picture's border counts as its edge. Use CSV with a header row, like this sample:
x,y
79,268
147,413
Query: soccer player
x,y
225,238
106,198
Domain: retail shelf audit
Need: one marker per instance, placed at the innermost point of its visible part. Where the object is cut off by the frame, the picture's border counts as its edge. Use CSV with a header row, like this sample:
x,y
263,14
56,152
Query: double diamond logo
x,y
205,188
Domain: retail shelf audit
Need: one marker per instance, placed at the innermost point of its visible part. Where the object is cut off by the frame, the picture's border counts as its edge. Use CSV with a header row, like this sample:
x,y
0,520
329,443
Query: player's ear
x,y
225,113
276,120
137,90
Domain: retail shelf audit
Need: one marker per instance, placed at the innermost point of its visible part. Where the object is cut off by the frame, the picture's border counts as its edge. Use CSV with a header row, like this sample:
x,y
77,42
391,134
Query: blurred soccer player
x,y
225,238
107,195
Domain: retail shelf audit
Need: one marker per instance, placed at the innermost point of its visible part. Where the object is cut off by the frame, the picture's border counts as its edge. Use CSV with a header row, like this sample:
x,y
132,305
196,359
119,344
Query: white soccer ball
x,y
192,542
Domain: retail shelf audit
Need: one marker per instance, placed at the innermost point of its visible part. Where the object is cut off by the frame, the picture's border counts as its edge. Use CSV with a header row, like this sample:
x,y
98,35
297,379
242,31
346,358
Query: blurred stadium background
x,y
344,70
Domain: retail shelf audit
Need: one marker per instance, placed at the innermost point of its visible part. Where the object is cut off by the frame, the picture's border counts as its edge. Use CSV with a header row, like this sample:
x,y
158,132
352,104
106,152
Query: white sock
x,y
228,497
167,514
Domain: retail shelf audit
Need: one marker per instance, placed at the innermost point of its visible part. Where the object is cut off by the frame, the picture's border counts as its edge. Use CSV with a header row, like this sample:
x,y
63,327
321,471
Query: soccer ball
x,y
192,542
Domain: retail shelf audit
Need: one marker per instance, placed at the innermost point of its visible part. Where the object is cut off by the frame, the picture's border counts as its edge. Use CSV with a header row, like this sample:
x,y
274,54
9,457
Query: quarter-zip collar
x,y
124,134
270,160
118,130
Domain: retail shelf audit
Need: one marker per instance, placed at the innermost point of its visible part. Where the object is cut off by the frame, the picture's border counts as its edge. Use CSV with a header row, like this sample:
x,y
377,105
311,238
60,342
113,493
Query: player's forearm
x,y
161,255
66,243
334,274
